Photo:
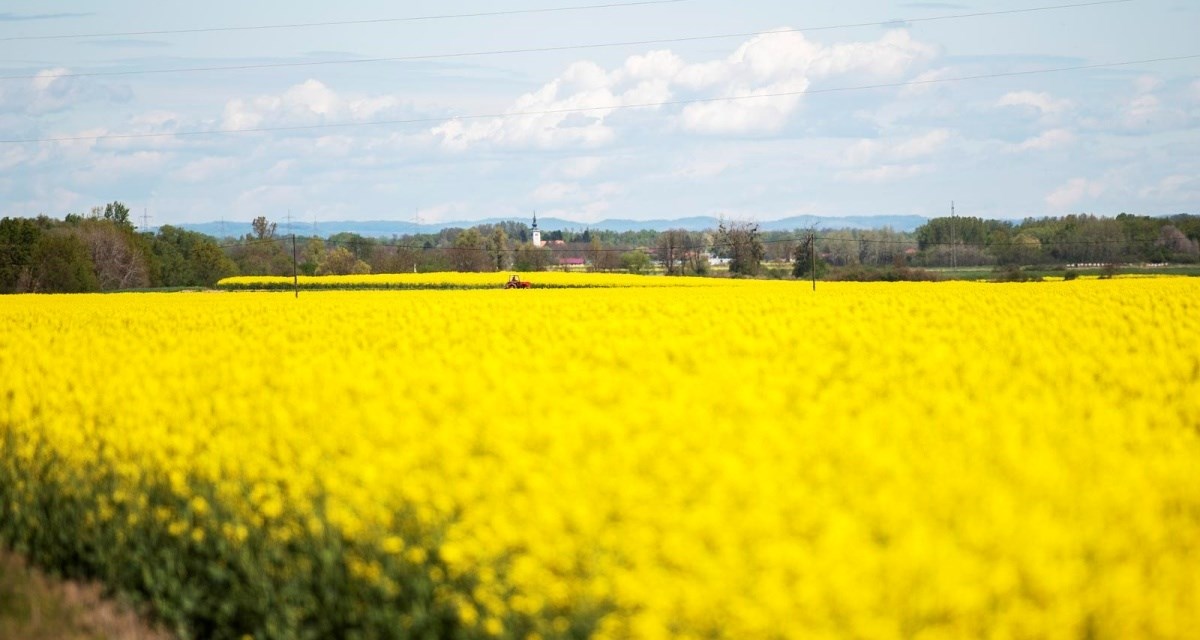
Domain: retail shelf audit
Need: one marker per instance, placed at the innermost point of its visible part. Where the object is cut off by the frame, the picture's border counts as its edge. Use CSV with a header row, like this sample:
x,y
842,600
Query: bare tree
x,y
740,242
671,250
119,263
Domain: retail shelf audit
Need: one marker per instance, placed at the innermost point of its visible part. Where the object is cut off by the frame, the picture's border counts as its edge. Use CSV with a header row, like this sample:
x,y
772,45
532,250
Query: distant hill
x,y
387,228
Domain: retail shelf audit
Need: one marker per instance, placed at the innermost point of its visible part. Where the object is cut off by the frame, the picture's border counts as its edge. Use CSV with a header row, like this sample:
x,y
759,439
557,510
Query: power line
x,y
303,25
574,47
641,105
417,247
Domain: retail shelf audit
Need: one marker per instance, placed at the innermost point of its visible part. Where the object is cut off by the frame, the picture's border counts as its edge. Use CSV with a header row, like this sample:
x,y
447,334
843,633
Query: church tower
x,y
537,235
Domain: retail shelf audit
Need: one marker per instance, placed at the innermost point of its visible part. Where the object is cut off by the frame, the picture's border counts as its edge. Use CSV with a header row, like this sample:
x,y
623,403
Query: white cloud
x,y
702,169
580,167
1073,192
280,169
46,79
1052,139
575,192
52,91
1147,84
556,191
310,102
111,167
922,145
885,173
11,156
757,110
744,89
1043,102
255,201
869,151
205,169
926,81
1174,187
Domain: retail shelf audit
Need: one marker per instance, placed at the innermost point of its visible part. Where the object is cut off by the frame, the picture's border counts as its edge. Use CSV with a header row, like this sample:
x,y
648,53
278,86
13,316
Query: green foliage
x,y
896,273
118,214
60,263
188,259
803,261
635,261
1014,273
17,239
341,262
530,258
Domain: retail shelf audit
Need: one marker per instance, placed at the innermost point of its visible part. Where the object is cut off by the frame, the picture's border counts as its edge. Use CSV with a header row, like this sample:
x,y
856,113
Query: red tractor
x,y
517,283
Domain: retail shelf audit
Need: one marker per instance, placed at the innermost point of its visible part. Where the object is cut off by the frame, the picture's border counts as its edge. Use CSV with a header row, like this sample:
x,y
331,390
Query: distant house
x,y
572,262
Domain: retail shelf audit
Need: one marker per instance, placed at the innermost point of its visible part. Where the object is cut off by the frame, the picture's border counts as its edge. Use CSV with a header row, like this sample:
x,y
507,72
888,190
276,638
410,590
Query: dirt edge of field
x,y
35,606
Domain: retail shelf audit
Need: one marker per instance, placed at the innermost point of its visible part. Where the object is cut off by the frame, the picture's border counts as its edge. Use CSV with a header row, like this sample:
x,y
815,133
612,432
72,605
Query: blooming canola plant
x,y
741,459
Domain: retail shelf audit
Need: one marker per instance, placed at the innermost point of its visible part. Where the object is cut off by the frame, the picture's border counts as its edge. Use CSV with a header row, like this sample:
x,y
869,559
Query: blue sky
x,y
1101,141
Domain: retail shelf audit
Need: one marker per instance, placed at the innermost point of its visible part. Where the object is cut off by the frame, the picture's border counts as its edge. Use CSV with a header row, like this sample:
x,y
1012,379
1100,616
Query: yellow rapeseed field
x,y
737,460
456,280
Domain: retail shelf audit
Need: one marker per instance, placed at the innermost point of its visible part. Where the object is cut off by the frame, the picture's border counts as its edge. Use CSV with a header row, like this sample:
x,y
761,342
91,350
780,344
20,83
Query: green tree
x,y
117,213
341,262
263,229
636,261
470,252
530,258
61,264
499,248
803,259
18,237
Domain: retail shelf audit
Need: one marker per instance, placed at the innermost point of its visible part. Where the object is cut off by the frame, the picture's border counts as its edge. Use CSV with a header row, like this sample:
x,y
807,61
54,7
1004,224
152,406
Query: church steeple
x,y
537,235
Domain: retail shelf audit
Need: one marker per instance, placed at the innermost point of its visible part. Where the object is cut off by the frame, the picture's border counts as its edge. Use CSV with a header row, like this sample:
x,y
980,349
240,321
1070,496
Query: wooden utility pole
x,y
812,252
295,272
953,248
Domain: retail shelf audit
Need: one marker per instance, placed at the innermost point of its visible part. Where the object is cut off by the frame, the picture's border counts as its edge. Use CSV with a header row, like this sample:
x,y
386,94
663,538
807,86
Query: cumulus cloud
x,y
52,91
886,173
755,89
1176,187
112,167
310,102
575,192
702,169
1042,102
926,81
1148,113
1052,139
580,167
205,169
870,151
1073,192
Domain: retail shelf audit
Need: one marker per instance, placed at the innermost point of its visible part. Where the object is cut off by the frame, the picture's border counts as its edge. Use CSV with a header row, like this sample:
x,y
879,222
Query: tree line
x,y
101,251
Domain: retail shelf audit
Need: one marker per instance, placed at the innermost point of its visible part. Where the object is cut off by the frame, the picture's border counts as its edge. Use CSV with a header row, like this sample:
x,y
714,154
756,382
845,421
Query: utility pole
x,y
953,248
295,272
812,252
145,220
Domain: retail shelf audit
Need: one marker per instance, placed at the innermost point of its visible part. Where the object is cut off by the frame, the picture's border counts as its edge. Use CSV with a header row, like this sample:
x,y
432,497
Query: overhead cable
x,y
640,105
339,23
573,47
